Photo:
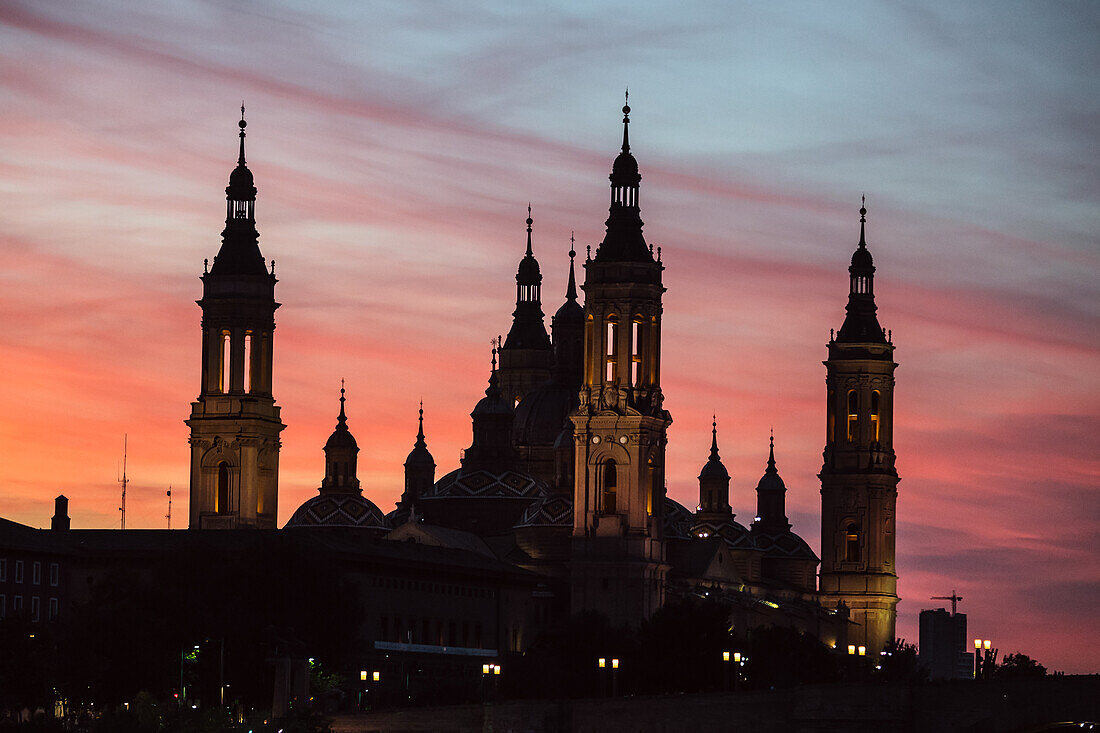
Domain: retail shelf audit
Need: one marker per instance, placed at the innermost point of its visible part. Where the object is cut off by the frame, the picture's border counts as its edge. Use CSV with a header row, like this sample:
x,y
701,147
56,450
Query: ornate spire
x,y
714,438
626,123
771,453
571,289
420,427
530,221
342,419
861,323
242,124
863,222
771,513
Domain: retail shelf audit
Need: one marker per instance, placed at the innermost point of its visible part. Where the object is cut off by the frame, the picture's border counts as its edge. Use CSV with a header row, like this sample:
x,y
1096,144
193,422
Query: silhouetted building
x,y
943,645
559,504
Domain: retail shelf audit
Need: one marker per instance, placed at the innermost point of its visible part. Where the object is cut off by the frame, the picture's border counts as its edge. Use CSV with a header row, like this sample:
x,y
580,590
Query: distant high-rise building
x,y
943,650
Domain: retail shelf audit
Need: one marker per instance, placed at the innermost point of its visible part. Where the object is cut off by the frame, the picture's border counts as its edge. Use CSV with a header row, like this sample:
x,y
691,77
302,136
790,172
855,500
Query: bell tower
x,y
235,423
858,478
620,426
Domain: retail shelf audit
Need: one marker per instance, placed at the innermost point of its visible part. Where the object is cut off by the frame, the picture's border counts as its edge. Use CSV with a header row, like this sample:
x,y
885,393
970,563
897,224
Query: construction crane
x,y
124,480
954,598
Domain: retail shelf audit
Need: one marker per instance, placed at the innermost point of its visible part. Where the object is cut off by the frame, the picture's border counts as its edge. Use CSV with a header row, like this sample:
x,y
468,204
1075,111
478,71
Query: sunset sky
x,y
395,147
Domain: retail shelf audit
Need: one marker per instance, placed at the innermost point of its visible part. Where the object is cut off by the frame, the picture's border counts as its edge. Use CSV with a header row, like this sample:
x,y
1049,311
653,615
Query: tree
x,y
1019,665
899,663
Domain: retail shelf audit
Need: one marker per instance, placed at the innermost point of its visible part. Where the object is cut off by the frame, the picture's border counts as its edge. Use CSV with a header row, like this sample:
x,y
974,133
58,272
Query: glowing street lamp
x,y
601,662
362,675
377,676
851,649
863,651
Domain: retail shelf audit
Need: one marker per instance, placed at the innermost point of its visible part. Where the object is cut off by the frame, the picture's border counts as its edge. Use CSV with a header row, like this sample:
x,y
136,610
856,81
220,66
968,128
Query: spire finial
x,y
714,438
626,123
771,451
242,124
420,428
342,418
530,221
862,221
571,289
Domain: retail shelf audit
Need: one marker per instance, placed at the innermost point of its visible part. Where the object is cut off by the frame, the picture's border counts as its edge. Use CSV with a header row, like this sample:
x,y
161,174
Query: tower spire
x,y
530,221
342,419
862,222
714,438
626,123
242,124
771,452
571,289
420,427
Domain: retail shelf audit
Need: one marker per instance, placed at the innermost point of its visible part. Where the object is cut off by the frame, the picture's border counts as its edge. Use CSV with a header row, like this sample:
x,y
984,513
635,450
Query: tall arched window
x,y
609,487
247,361
853,416
221,505
852,543
831,420
223,375
635,350
610,348
876,400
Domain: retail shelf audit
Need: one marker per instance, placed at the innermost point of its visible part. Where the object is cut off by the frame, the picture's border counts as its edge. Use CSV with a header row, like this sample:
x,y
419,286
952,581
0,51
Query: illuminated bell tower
x,y
620,427
858,478
235,423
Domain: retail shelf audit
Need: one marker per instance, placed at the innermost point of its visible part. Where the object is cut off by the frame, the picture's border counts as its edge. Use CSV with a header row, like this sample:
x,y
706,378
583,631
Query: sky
x,y
396,146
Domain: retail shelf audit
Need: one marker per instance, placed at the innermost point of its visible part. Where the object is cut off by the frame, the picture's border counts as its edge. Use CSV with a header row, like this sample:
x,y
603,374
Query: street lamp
x,y
851,649
601,662
362,675
863,651
977,658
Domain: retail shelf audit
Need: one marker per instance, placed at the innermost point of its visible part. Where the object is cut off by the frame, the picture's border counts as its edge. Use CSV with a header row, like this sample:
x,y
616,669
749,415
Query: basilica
x,y
559,504
565,473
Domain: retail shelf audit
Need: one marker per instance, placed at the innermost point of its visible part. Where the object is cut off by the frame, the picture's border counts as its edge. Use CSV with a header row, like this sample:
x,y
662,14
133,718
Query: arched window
x,y
247,361
610,348
831,427
223,374
876,400
635,350
609,487
221,505
851,543
853,416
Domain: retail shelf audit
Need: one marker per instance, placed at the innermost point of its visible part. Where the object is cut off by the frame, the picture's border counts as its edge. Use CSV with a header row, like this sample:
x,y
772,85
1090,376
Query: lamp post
x,y
614,678
977,659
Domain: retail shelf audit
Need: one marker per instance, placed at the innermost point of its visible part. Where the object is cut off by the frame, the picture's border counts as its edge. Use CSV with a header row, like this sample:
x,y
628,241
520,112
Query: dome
x,y
861,259
783,543
570,312
733,533
677,520
626,166
241,183
481,484
542,412
771,481
493,403
420,456
338,510
529,271
714,469
341,438
550,511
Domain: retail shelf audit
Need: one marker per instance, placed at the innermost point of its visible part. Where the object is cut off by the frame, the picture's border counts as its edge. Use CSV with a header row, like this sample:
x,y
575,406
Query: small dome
x,y
733,533
861,259
550,511
570,312
542,412
241,181
419,456
771,481
677,520
480,484
624,171
492,404
338,510
529,272
783,543
714,469
341,438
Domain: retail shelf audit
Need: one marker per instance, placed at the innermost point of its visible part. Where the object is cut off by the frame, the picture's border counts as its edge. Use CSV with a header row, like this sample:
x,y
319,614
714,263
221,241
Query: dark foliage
x,y
1015,666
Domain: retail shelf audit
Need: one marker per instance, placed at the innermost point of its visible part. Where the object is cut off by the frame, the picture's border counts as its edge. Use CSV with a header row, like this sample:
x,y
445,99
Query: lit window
x,y
609,487
248,361
851,543
636,352
223,375
612,333
853,416
875,400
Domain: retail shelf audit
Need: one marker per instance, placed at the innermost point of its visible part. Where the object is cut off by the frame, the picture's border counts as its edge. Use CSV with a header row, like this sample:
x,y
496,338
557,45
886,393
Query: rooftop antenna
x,y
168,516
954,598
124,481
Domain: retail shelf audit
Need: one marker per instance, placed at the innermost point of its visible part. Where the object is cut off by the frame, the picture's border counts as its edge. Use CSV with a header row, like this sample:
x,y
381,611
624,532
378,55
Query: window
x,y
53,608
222,500
612,333
35,608
853,416
36,573
223,375
876,398
831,427
18,571
851,543
17,604
636,352
55,573
610,481
3,570
3,605
247,361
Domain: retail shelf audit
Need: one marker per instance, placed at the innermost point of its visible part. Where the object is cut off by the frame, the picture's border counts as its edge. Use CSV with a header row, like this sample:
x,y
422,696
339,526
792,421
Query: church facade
x,y
565,474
